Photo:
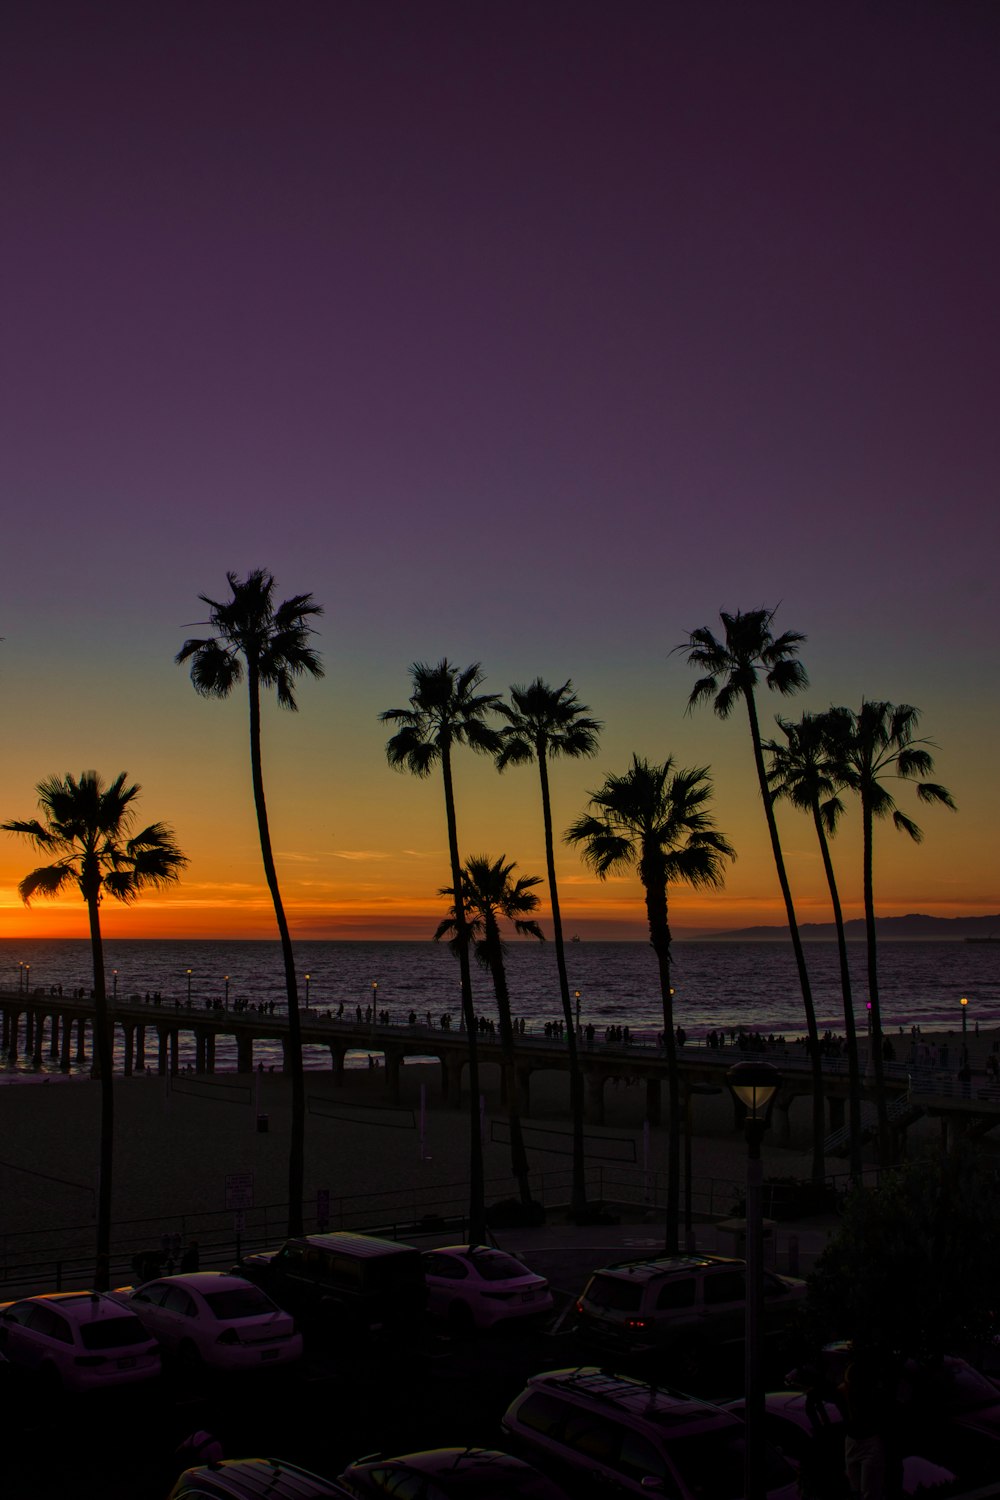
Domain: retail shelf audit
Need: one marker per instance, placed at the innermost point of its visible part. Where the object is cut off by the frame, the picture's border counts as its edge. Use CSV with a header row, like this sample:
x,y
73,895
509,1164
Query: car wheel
x,y
460,1319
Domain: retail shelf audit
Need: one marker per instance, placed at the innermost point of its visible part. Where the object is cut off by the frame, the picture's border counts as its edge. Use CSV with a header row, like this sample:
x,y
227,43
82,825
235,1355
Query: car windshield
x,y
239,1302
712,1464
498,1267
113,1333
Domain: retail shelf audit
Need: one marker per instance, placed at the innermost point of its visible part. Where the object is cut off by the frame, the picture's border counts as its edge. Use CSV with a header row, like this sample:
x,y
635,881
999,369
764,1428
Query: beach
x,y
182,1142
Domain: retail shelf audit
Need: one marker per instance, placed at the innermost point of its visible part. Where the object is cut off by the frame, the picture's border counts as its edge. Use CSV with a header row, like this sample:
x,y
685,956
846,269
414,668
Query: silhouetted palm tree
x,y
545,722
268,645
447,710
88,829
870,747
489,893
654,820
802,770
733,665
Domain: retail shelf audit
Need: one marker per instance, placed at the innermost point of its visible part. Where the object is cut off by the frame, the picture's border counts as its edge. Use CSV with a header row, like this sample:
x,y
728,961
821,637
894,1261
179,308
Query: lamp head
x,y
755,1085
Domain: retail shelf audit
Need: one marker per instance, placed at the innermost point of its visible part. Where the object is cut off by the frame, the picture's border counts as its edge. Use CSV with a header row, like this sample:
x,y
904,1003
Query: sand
x,y
182,1142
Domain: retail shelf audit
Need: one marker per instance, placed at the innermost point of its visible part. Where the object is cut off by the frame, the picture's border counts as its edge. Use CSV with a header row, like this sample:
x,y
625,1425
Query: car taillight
x,y
579,1305
636,1323
229,1337
90,1360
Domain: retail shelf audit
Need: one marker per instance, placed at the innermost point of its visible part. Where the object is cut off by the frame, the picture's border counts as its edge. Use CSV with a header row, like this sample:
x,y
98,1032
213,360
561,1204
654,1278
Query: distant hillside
x,y
914,928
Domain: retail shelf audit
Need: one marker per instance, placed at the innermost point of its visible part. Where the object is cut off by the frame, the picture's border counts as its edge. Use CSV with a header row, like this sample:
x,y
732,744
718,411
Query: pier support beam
x,y
81,1040
175,1051
161,1056
140,1048
128,1038
244,1053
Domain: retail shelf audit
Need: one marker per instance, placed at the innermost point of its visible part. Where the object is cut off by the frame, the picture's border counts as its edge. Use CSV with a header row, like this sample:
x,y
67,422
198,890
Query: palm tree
x,y
267,644
447,710
542,723
876,744
88,829
803,771
489,893
732,667
654,820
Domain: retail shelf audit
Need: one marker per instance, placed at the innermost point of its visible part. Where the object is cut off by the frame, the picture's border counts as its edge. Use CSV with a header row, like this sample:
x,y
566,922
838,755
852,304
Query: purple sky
x,y
532,333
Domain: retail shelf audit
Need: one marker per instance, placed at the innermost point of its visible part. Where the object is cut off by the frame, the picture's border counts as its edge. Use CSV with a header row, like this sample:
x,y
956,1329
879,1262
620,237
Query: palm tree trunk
x,y
875,1037
659,937
104,1054
296,1148
477,1186
812,1029
578,1191
850,1029
518,1155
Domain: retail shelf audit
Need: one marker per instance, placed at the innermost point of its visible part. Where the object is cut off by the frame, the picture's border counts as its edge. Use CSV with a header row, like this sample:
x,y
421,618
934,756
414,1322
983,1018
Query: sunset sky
x,y
533,334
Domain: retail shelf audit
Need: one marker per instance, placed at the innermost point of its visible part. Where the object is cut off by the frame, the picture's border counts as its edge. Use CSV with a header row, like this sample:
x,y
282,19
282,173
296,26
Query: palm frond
x,y
47,880
907,825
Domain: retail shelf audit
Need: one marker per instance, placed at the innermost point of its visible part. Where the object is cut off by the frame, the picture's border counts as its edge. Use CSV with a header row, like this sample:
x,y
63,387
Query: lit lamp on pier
x,y
189,986
308,977
374,1000
27,979
577,993
20,976
754,1085
964,1003
227,992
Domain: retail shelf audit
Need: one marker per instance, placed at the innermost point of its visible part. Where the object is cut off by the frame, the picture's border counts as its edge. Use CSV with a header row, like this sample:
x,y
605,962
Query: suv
x,y
606,1434
678,1301
357,1280
78,1341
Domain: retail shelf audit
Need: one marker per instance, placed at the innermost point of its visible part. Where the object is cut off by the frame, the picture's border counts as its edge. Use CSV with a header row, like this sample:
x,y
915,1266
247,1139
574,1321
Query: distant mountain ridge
x,y
912,928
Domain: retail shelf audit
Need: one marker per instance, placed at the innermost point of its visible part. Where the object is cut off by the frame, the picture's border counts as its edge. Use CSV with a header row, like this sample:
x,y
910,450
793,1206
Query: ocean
x,y
726,984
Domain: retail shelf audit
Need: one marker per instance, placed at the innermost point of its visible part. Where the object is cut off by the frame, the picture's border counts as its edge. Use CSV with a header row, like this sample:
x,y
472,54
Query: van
x,y
351,1282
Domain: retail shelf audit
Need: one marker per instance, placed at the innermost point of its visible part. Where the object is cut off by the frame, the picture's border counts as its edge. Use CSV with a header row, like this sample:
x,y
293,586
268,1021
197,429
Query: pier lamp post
x,y
114,984
308,977
754,1085
27,979
20,976
577,993
374,1000
189,987
964,1003
227,992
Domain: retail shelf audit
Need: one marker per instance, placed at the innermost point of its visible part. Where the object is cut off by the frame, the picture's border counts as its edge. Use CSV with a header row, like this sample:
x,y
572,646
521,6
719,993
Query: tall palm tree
x,y
489,892
803,771
878,744
654,820
87,828
268,646
446,709
544,722
732,666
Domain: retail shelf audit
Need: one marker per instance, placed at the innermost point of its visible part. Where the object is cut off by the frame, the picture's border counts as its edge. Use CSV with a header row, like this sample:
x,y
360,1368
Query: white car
x,y
474,1286
211,1318
78,1341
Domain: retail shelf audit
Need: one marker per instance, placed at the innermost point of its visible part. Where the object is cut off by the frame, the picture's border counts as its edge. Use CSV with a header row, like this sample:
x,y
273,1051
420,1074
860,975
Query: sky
x,y
531,334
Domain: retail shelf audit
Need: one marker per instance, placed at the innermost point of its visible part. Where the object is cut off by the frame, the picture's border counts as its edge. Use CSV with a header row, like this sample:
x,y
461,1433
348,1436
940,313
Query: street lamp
x,y
114,984
374,1000
27,979
307,990
227,992
964,1003
189,987
20,976
754,1085
577,993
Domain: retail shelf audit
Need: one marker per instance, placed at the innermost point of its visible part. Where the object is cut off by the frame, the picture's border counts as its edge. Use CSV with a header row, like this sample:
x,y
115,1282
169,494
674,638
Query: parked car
x,y
475,1286
809,1431
351,1283
252,1479
207,1317
449,1474
599,1433
948,1411
670,1301
78,1341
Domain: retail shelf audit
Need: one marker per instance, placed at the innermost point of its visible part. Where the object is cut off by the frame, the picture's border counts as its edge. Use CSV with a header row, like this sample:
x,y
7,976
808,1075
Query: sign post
x,y
239,1197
